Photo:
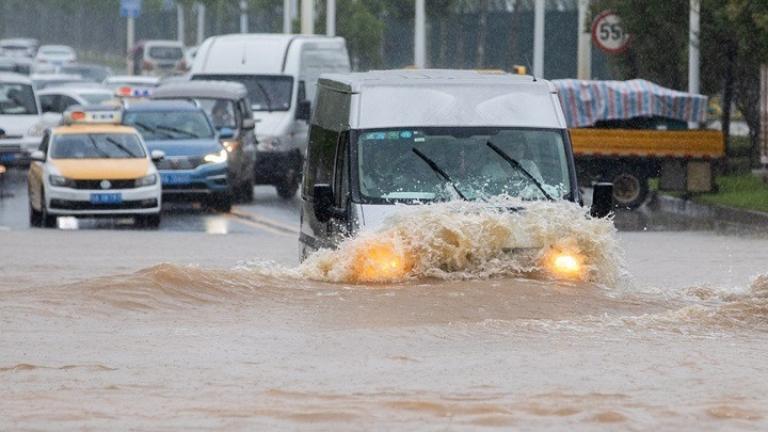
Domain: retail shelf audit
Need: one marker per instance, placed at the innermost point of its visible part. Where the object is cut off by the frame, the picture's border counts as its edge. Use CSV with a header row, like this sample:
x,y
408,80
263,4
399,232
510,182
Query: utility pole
x,y
584,69
330,18
287,17
538,39
129,45
307,16
180,23
419,36
693,46
243,16
200,23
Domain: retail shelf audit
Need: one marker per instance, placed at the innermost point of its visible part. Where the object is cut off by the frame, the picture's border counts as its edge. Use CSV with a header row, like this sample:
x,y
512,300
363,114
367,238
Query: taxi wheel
x,y
48,221
149,221
35,217
245,191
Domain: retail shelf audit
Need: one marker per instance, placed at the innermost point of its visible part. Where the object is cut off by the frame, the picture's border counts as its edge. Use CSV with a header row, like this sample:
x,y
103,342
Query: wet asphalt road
x,y
268,213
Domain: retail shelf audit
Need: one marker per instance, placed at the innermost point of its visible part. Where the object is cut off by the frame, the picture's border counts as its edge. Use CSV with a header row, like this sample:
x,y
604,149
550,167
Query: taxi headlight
x,y
60,181
216,157
146,180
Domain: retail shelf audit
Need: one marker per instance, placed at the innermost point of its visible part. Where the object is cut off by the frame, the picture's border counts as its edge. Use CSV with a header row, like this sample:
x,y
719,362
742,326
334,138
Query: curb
x,y
694,210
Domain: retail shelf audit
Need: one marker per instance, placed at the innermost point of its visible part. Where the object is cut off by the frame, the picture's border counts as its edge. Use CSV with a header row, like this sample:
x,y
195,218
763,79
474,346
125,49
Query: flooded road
x,y
169,331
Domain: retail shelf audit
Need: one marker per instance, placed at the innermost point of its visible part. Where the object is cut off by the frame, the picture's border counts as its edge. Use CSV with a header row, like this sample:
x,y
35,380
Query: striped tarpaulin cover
x,y
587,102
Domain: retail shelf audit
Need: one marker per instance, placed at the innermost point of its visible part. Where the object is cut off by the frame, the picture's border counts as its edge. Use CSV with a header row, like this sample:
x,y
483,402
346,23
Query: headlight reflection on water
x,y
565,265
379,262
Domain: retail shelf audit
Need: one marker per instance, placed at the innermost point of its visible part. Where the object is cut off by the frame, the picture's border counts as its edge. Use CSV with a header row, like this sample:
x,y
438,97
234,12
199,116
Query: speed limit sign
x,y
608,33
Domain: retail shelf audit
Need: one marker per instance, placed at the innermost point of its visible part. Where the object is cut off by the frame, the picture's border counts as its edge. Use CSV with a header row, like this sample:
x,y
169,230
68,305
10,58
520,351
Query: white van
x,y
20,119
418,136
280,72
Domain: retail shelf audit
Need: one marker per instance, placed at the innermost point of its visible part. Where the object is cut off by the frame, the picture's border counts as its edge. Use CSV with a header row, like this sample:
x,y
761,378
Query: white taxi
x,y
92,166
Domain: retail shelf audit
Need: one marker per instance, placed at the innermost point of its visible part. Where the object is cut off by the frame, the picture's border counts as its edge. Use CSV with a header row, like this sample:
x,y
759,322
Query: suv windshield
x,y
266,92
97,146
390,169
17,99
170,125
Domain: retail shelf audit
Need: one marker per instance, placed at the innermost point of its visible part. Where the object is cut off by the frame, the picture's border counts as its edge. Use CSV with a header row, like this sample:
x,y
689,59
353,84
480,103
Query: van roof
x,y
437,97
269,50
201,89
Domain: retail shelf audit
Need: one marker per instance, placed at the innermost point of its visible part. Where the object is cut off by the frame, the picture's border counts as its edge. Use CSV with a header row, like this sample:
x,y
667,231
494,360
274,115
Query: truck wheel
x,y
245,191
221,202
288,186
629,188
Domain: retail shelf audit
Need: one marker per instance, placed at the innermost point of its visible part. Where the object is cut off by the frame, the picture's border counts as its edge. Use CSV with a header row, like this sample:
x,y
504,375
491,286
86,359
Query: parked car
x,y
158,57
226,104
19,47
196,164
90,72
59,99
55,55
280,73
20,117
93,166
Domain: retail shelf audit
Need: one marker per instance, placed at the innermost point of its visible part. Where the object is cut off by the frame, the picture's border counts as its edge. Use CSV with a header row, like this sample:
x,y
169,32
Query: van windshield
x,y
18,99
266,92
389,168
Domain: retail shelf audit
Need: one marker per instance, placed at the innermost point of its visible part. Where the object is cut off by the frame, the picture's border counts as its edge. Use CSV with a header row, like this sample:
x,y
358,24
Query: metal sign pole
x,y
129,38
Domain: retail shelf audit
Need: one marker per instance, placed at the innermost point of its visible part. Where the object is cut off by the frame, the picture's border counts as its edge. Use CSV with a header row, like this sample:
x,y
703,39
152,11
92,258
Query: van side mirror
x,y
304,110
602,200
249,124
323,198
226,133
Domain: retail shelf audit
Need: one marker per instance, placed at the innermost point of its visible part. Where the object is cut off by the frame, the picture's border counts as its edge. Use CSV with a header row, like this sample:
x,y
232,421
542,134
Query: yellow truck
x,y
627,132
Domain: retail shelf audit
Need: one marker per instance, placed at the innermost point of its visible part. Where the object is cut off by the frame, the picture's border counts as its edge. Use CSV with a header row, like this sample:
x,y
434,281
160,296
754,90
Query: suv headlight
x,y
216,157
60,181
146,180
268,143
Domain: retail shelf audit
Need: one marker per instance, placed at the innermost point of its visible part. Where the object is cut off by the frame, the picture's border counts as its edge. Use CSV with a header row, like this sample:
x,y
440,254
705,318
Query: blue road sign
x,y
130,8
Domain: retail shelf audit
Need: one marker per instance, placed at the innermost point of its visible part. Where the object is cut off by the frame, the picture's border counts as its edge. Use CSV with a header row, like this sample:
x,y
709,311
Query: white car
x,y
92,166
59,99
20,118
117,81
56,55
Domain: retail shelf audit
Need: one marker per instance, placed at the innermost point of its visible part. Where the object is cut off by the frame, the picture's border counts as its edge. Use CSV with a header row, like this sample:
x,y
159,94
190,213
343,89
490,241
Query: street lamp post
x,y
538,39
419,40
243,16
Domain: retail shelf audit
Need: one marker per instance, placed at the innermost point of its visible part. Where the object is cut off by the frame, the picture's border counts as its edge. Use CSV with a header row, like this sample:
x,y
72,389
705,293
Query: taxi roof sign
x,y
131,91
92,115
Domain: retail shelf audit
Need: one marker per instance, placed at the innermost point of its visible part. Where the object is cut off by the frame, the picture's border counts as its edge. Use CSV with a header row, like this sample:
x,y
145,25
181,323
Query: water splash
x,y
472,240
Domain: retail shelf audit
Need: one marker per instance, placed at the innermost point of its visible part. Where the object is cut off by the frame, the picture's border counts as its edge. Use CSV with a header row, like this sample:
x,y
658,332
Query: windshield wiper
x,y
267,99
515,164
150,129
95,146
120,146
438,171
177,130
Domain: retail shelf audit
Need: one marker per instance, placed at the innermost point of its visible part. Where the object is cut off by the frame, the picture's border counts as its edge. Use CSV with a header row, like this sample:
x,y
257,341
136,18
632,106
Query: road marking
x,y
261,226
276,225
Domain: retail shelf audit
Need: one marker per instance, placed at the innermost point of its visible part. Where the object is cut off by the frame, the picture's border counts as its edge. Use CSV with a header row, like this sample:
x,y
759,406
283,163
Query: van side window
x,y
341,171
321,155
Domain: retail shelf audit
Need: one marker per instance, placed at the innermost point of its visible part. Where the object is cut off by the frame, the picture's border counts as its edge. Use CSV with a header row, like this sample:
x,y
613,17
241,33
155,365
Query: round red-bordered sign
x,y
608,33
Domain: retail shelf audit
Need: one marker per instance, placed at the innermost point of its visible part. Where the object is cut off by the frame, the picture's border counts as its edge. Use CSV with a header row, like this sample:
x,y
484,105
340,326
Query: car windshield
x,y
266,92
96,98
97,146
390,169
170,125
166,53
220,111
18,99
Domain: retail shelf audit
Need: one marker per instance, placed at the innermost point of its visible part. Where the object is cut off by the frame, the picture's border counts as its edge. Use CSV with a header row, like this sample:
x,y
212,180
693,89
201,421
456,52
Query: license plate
x,y
106,198
7,157
175,179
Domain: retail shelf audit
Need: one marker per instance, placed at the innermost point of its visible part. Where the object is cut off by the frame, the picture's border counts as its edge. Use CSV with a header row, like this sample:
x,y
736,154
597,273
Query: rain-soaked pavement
x,y
108,327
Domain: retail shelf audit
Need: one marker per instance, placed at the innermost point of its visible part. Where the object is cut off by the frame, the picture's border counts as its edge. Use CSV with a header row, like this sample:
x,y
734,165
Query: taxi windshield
x,y
170,125
97,146
472,163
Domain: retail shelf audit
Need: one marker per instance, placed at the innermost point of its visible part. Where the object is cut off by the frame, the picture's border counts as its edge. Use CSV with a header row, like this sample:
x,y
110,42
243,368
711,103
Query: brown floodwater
x,y
666,331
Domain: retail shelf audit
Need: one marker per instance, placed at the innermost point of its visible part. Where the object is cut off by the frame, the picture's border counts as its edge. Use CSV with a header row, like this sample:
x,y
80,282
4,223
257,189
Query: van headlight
x,y
148,180
268,143
216,157
36,130
60,181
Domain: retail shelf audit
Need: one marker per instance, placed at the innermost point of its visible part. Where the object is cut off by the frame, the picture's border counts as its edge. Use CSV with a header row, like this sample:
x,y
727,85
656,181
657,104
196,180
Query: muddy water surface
x,y
676,341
